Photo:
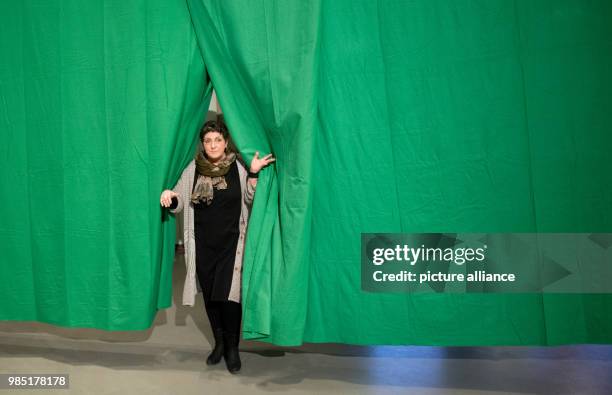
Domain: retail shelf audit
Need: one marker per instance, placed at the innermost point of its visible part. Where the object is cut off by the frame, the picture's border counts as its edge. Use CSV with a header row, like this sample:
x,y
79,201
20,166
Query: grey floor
x,y
169,359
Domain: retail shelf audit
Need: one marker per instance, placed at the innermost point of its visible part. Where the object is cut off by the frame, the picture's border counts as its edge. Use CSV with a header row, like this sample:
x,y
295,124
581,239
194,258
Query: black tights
x,y
224,315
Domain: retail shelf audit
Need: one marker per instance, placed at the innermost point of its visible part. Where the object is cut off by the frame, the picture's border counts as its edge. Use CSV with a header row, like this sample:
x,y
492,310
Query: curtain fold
x,y
261,57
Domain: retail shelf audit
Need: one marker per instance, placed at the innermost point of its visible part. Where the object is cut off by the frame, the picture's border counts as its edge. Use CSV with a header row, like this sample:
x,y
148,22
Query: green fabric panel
x,y
261,59
99,111
385,116
420,116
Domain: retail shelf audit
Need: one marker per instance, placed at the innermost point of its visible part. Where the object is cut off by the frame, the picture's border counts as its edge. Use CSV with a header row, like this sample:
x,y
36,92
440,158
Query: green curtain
x,y
413,116
262,60
100,103
385,116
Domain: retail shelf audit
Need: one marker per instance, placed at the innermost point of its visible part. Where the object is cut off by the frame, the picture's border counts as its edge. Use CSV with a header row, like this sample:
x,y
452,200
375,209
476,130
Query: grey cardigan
x,y
183,189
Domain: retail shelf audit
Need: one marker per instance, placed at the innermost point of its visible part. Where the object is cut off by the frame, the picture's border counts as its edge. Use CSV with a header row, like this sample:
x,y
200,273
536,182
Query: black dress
x,y
216,237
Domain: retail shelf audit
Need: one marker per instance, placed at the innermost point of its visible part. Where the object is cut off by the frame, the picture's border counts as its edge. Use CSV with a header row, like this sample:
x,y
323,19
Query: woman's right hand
x,y
166,197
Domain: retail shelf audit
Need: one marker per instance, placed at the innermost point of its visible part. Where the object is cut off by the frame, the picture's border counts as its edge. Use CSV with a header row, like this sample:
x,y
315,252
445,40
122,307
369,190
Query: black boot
x,y
232,357
215,356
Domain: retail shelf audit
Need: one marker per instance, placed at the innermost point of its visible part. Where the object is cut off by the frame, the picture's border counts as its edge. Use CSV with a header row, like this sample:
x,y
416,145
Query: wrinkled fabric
x,y
419,116
384,116
100,104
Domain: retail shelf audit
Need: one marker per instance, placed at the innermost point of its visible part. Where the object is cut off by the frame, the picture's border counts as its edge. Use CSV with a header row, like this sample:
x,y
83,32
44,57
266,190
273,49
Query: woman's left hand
x,y
259,163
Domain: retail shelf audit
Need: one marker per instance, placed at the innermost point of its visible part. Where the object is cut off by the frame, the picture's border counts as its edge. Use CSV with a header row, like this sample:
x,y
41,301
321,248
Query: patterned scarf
x,y
210,176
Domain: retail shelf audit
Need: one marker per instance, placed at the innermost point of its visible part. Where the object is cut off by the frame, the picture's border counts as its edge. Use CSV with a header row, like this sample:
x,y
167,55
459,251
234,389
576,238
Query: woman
x,y
216,193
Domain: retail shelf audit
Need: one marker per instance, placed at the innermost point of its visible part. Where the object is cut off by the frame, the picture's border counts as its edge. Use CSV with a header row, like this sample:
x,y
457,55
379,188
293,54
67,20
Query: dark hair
x,y
215,126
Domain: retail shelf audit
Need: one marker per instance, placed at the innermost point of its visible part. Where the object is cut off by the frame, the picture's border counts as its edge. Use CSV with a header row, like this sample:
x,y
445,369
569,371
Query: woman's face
x,y
214,146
